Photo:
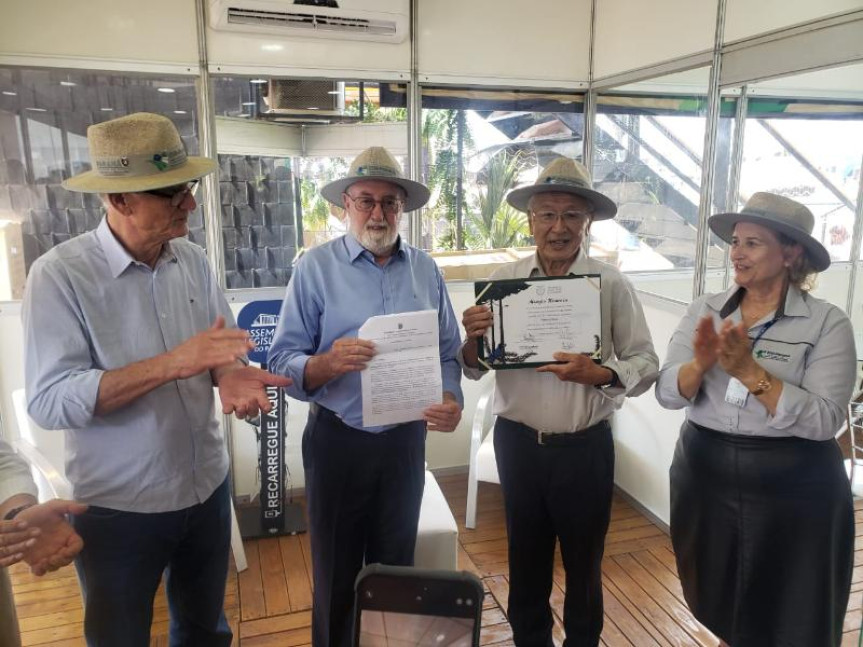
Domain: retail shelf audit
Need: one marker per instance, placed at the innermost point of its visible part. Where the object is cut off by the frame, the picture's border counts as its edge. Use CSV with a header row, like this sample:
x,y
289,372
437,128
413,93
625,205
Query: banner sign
x,y
260,319
272,462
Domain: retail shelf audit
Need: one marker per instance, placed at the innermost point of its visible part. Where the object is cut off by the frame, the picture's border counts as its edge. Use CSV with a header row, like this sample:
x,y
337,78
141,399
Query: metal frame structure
x,y
594,86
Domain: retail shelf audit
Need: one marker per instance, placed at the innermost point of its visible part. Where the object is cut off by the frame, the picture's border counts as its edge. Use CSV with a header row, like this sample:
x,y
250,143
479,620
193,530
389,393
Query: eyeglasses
x,y
568,217
389,206
176,194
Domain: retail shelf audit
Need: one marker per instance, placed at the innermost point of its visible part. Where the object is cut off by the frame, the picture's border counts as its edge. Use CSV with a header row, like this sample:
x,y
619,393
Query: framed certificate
x,y
534,318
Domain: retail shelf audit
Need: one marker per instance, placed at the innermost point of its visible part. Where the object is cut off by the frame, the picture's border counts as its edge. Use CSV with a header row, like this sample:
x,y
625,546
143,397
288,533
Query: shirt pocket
x,y
786,361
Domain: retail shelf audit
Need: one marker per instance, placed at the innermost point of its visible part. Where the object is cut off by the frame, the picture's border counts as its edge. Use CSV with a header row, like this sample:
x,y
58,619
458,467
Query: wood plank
x,y
665,555
252,603
660,573
628,624
282,639
493,616
279,624
658,616
298,579
642,598
273,578
666,600
495,634
499,589
612,636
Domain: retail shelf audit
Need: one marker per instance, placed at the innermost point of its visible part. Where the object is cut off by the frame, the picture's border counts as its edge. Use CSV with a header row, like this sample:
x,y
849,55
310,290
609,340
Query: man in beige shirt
x,y
552,438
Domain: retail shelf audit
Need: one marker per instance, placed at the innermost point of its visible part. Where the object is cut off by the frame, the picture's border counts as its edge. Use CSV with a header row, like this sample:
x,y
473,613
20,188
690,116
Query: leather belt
x,y
543,437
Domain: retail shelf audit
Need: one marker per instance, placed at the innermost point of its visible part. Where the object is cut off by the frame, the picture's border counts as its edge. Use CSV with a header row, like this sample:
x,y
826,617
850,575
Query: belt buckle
x,y
539,435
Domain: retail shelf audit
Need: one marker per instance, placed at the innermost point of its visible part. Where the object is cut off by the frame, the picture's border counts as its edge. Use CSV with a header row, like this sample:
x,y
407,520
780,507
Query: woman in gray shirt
x,y
761,509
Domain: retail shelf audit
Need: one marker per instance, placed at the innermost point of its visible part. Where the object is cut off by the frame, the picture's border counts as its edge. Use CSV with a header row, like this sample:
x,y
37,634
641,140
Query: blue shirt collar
x,y
117,256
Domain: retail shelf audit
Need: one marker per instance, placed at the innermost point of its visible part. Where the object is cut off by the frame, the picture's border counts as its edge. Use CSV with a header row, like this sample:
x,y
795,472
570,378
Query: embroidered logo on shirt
x,y
772,355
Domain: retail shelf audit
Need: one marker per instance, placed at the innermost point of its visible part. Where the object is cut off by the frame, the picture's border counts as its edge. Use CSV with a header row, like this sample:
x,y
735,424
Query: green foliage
x,y
491,222
316,210
440,149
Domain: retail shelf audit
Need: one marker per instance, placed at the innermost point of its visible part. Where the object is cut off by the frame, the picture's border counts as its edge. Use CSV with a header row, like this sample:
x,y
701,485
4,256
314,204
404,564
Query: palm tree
x,y
493,223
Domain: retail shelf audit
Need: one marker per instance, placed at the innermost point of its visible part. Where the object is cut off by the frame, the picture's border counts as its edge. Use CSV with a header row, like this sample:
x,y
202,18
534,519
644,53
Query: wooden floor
x,y
269,604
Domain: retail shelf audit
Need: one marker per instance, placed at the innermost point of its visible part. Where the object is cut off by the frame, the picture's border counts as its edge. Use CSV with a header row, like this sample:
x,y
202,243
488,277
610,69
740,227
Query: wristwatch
x,y
764,385
615,381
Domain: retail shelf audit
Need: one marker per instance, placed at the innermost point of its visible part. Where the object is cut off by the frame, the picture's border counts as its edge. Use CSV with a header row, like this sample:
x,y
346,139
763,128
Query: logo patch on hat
x,y
158,162
385,171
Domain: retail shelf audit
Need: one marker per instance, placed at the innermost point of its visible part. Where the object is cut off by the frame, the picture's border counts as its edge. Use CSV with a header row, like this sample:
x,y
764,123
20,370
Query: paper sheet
x,y
404,376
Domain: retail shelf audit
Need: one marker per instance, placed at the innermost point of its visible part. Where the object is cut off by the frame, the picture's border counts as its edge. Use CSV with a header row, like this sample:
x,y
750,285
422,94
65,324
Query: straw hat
x,y
780,214
139,152
376,163
563,175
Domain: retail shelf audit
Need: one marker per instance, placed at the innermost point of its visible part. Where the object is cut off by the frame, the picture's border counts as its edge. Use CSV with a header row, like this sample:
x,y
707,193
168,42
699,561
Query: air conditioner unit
x,y
304,101
384,21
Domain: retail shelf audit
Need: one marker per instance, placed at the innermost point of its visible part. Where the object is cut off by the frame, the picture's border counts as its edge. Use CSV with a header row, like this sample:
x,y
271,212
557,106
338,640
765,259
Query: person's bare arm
x,y
705,347
207,350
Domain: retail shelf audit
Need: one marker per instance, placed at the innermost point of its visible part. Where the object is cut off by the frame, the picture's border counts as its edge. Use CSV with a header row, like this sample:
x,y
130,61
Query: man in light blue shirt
x,y
126,334
363,485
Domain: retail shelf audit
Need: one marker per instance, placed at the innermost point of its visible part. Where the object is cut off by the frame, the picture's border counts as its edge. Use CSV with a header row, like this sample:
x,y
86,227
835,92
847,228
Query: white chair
x,y
483,466
45,451
854,465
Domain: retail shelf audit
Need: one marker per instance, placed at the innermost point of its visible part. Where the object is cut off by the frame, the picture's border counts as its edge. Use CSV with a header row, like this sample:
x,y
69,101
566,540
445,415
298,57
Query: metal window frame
x,y
748,46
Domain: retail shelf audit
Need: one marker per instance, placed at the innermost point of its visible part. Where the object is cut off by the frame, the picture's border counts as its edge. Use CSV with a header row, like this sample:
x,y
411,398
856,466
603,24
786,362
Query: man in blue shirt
x,y
363,485
126,334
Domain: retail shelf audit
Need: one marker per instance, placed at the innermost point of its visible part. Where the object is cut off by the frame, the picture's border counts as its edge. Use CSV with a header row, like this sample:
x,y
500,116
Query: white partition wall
x,y
744,18
504,41
631,34
65,34
644,433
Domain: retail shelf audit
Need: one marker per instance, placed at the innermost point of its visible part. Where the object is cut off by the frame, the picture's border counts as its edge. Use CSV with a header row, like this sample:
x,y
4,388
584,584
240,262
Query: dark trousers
x,y
363,493
561,490
124,556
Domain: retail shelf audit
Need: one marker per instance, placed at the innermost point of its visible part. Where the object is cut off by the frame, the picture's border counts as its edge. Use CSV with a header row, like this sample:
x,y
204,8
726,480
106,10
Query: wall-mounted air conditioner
x,y
383,21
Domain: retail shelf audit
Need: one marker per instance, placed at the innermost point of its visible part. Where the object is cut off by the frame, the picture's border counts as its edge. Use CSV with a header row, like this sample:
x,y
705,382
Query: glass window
x,y
808,150
648,153
279,141
804,140
44,115
479,144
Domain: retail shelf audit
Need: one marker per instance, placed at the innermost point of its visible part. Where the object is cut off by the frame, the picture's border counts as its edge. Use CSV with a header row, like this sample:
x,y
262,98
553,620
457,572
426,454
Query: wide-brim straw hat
x,y
139,152
777,213
376,163
564,175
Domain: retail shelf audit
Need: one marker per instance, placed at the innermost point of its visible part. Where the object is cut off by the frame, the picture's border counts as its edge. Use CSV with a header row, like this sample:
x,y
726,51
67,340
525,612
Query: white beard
x,y
378,241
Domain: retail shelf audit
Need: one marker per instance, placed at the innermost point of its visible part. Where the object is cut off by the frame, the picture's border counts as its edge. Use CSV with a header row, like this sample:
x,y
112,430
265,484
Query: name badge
x,y
736,393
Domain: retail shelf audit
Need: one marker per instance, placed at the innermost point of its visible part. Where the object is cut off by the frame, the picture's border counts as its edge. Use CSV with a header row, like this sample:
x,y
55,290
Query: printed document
x,y
404,376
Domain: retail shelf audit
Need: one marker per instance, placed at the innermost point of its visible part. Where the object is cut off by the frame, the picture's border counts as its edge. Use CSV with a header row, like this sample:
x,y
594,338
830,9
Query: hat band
x,y
385,171
769,215
566,181
140,165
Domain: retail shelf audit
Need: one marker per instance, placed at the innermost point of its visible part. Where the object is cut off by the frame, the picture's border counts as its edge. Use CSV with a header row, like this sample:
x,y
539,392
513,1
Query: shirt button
x,y
164,316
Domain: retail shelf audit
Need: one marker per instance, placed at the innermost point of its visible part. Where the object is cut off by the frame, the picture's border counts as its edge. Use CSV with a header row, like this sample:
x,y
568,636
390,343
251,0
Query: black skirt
x,y
763,532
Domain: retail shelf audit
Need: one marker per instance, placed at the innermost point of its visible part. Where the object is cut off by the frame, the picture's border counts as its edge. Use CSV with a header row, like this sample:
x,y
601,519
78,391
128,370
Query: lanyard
x,y
764,329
